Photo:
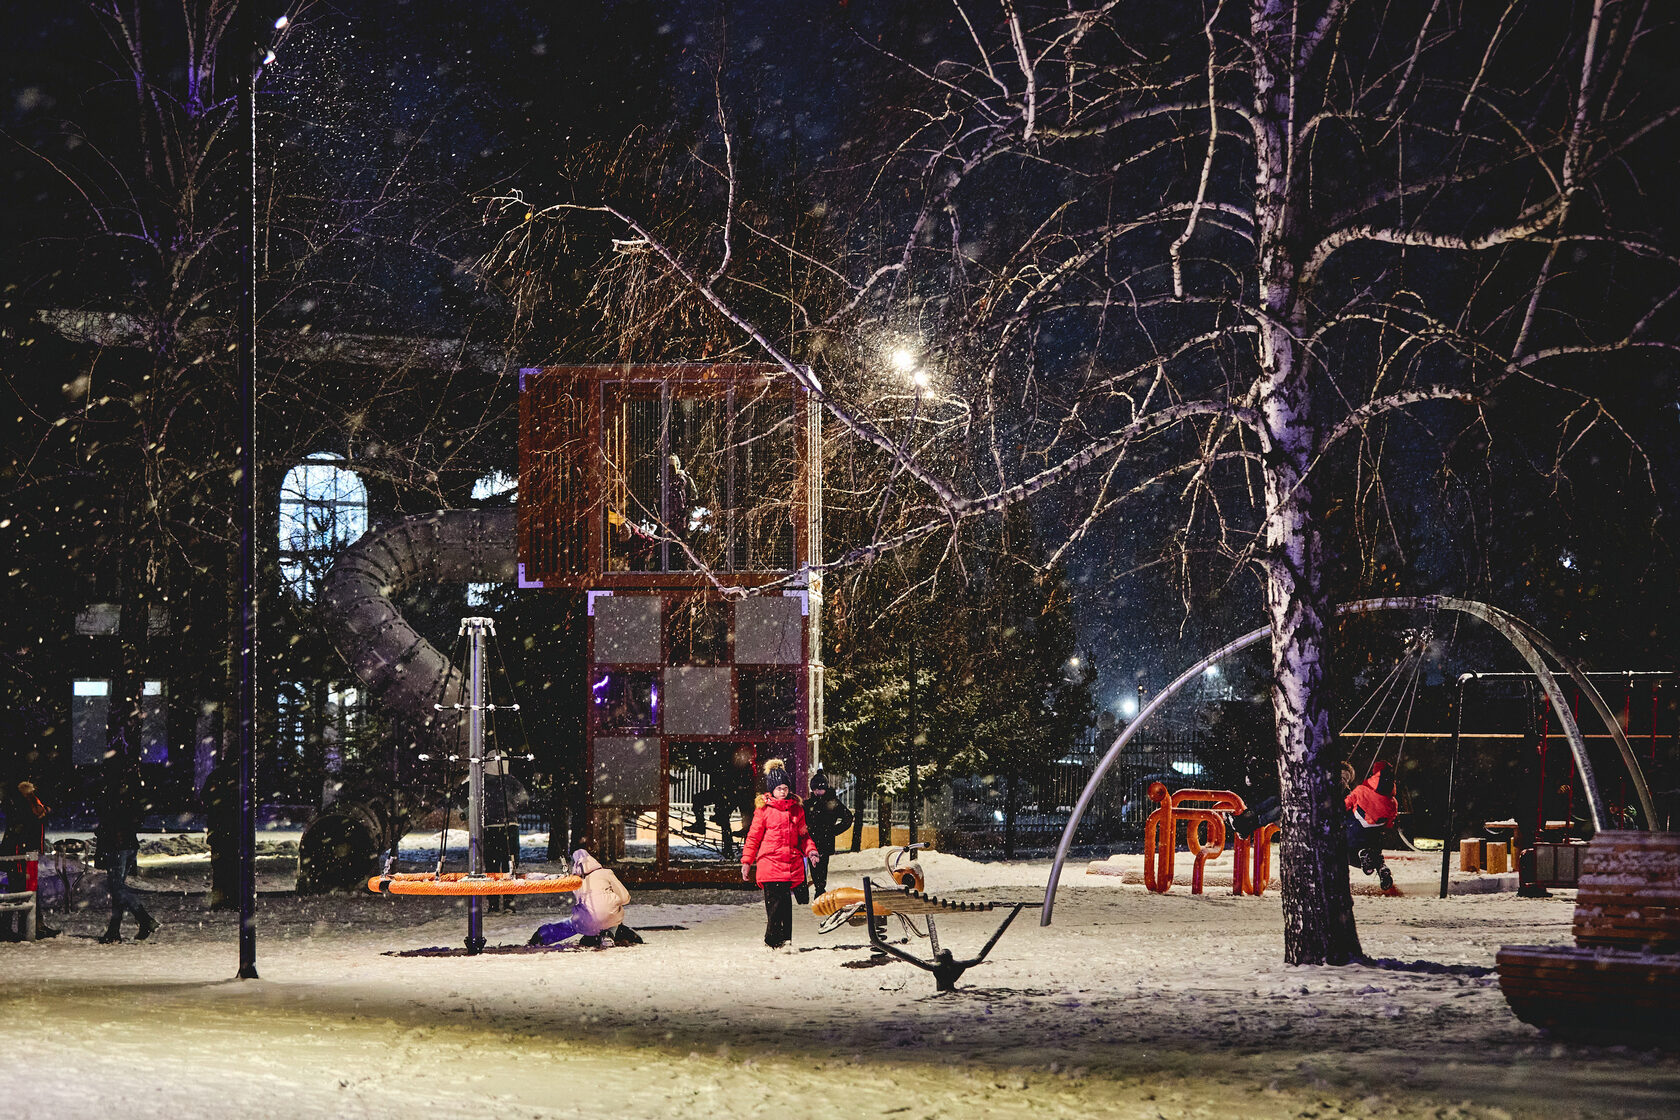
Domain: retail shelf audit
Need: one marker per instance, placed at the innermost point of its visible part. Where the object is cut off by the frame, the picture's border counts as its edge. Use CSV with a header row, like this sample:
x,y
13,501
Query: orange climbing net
x,y
457,883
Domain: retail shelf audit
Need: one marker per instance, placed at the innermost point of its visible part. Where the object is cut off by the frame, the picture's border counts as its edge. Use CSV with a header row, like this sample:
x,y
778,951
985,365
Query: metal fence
x,y
971,814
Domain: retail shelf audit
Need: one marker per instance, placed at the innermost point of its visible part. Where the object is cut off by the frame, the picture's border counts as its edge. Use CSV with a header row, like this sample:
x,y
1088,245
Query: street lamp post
x,y
245,391
905,361
913,790
247,501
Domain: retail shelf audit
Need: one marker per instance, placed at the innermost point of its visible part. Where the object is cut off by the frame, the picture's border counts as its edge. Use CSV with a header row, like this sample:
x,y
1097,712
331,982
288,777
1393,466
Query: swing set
x,y
1546,664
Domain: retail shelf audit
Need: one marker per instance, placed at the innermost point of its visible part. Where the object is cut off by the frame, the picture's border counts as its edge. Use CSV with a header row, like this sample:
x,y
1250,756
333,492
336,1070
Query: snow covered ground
x,y
1129,1005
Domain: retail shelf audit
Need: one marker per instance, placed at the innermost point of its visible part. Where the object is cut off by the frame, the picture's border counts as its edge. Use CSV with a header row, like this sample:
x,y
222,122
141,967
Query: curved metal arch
x,y
1528,643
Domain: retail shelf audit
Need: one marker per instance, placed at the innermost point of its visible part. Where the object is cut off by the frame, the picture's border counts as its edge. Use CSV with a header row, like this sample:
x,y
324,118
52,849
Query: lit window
x,y
496,484
323,507
90,708
343,712
290,734
154,723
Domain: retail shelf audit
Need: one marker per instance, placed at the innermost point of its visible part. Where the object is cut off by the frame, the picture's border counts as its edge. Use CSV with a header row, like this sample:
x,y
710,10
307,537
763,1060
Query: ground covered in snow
x,y
1129,1005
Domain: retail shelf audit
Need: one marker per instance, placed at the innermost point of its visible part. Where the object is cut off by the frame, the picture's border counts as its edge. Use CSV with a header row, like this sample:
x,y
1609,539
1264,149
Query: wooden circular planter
x,y
1621,980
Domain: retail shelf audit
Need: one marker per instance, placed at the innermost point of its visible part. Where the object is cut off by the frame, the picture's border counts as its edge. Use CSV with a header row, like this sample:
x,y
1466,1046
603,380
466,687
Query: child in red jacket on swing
x,y
778,847
1372,810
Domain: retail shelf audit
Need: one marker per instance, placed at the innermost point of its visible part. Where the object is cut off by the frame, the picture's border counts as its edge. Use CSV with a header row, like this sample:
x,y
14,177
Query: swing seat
x,y
459,884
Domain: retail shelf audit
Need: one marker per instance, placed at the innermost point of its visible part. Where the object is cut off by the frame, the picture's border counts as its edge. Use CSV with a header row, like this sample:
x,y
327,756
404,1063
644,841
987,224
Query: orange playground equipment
x,y
455,883
851,906
1199,810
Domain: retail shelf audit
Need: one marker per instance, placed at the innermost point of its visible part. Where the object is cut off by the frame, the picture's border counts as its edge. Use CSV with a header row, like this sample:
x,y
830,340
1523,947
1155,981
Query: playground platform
x,y
1415,873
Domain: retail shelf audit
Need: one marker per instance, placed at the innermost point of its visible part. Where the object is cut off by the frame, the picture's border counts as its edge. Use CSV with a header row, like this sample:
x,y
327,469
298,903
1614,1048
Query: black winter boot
x,y
148,926
113,933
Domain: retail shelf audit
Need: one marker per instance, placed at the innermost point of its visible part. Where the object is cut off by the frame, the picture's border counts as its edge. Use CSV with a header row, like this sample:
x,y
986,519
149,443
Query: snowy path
x,y
1131,1005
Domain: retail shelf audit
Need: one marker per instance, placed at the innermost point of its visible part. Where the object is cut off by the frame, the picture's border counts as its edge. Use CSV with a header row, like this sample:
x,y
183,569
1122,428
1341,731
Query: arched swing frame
x,y
1529,643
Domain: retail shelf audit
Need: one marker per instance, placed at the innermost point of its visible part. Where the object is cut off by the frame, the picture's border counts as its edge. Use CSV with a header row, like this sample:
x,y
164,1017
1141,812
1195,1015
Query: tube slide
x,y
401,669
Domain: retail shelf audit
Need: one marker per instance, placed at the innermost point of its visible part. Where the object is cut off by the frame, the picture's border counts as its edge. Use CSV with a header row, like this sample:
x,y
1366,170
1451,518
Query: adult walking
x,y
778,846
117,847
827,817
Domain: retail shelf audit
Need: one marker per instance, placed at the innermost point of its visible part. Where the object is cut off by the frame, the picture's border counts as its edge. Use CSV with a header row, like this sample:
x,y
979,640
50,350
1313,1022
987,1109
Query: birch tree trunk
x,y
1317,905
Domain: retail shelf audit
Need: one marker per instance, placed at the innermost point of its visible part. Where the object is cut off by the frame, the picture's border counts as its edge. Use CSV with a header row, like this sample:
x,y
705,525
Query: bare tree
x,y
139,272
1226,259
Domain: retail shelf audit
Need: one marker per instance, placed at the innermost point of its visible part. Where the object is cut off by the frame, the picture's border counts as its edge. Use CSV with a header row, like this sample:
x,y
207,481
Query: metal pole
x,y
1449,838
914,792
246,405
1540,783
475,629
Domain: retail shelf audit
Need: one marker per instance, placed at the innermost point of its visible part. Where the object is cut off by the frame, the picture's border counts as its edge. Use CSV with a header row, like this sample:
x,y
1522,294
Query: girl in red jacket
x,y
779,845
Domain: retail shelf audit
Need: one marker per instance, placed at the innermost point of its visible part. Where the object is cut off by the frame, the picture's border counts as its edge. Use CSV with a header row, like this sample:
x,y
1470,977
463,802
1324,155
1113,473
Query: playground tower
x,y
685,502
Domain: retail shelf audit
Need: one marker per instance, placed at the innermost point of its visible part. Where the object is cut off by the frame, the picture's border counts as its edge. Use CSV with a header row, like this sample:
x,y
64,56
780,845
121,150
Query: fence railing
x,y
972,812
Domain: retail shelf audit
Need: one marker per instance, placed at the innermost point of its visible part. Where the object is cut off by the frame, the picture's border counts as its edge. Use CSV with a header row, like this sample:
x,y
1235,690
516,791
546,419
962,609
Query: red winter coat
x,y
1372,805
779,842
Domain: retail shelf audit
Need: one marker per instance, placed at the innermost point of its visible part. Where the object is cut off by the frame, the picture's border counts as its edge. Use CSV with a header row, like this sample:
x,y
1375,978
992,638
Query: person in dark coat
x,y
827,817
220,797
116,846
777,848
26,831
